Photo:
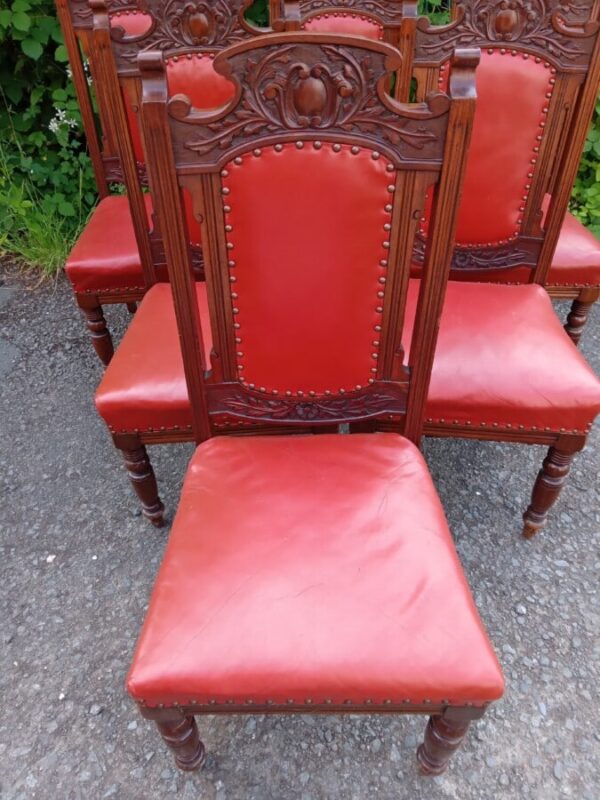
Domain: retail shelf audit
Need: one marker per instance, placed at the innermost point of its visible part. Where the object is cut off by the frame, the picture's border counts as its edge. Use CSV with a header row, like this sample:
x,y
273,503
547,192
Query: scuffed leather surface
x,y
502,356
344,23
311,567
145,381
327,194
106,255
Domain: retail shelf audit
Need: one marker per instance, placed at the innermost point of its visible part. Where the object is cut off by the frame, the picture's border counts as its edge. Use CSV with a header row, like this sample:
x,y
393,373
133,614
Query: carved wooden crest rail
x,y
540,27
297,89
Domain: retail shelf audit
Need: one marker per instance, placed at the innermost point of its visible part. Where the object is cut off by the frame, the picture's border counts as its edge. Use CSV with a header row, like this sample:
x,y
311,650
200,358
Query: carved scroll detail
x,y
280,409
294,88
538,26
178,24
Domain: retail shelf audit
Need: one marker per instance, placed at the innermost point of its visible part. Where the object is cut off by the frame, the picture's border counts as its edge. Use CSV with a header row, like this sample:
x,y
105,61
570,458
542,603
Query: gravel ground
x,y
78,563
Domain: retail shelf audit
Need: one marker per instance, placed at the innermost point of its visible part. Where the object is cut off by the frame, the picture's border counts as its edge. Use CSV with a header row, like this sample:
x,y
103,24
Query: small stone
x,y
395,754
304,778
250,725
96,709
504,780
410,740
376,745
542,708
50,558
558,770
132,726
521,610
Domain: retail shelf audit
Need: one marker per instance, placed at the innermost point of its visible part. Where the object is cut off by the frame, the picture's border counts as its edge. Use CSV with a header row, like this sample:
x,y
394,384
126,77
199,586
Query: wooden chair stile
x,y
305,100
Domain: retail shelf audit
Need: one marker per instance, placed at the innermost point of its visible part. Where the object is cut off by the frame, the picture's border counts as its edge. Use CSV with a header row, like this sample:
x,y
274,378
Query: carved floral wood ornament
x,y
175,25
386,12
300,89
540,27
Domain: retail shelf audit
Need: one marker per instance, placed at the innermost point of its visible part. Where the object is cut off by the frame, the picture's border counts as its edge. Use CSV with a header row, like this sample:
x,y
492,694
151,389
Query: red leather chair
x,y
286,549
515,226
119,255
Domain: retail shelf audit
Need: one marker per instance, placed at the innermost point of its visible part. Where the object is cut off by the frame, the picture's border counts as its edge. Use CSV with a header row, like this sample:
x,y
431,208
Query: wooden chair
x,y
523,231
524,154
286,549
120,267
120,33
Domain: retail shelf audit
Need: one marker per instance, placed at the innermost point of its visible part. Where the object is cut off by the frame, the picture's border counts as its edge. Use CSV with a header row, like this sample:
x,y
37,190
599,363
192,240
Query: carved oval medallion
x,y
198,26
506,21
310,97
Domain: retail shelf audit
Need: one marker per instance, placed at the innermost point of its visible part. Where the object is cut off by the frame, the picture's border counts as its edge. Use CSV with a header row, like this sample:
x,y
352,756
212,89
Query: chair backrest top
x,y
309,185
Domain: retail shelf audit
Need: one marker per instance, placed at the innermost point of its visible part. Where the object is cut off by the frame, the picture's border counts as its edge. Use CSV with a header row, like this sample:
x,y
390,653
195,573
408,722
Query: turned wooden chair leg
x,y
548,485
143,480
442,737
182,737
101,338
132,307
580,310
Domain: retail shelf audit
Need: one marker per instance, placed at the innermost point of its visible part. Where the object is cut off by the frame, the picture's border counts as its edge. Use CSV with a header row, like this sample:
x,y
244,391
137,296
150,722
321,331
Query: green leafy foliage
x,y
585,202
46,182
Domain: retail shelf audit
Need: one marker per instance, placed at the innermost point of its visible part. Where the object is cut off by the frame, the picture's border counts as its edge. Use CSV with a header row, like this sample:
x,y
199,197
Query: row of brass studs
x,y
536,148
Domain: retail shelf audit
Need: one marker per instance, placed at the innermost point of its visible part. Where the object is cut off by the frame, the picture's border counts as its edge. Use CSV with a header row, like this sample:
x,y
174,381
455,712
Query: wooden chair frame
x,y
218,137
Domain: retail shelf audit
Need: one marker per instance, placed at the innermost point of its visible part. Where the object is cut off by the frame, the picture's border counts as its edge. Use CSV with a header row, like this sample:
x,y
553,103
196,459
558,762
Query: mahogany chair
x,y
340,526
120,267
520,229
524,154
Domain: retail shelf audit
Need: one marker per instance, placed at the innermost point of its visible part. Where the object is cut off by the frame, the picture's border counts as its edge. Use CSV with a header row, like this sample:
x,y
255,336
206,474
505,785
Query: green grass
x,y
37,237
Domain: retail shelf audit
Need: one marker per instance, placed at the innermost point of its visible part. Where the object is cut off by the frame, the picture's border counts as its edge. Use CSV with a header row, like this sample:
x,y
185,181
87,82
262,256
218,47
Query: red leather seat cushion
x,y
145,385
106,255
502,357
311,567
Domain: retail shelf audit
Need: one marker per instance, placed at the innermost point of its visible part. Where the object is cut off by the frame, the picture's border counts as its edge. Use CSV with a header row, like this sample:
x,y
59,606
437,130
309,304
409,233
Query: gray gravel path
x,y
78,563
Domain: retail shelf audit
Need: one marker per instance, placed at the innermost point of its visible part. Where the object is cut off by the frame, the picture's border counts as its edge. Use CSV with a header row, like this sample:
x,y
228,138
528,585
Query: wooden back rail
x,y
315,91
543,32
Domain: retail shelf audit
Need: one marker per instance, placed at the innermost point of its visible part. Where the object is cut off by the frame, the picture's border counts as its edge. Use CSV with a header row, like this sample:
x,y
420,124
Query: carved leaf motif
x,y
247,405
535,24
177,23
479,258
295,88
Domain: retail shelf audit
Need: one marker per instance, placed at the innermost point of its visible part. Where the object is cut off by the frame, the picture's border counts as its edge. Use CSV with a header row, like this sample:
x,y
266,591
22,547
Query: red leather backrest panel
x,y
307,233
512,93
344,22
194,76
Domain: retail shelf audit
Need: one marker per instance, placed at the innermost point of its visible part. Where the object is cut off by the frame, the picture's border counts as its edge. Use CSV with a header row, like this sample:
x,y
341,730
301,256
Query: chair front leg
x,y
547,487
142,476
182,737
94,317
443,735
579,313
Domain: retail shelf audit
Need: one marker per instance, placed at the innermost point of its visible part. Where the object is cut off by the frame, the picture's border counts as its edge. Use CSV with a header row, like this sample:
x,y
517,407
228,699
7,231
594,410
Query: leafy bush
x,y
585,202
46,183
